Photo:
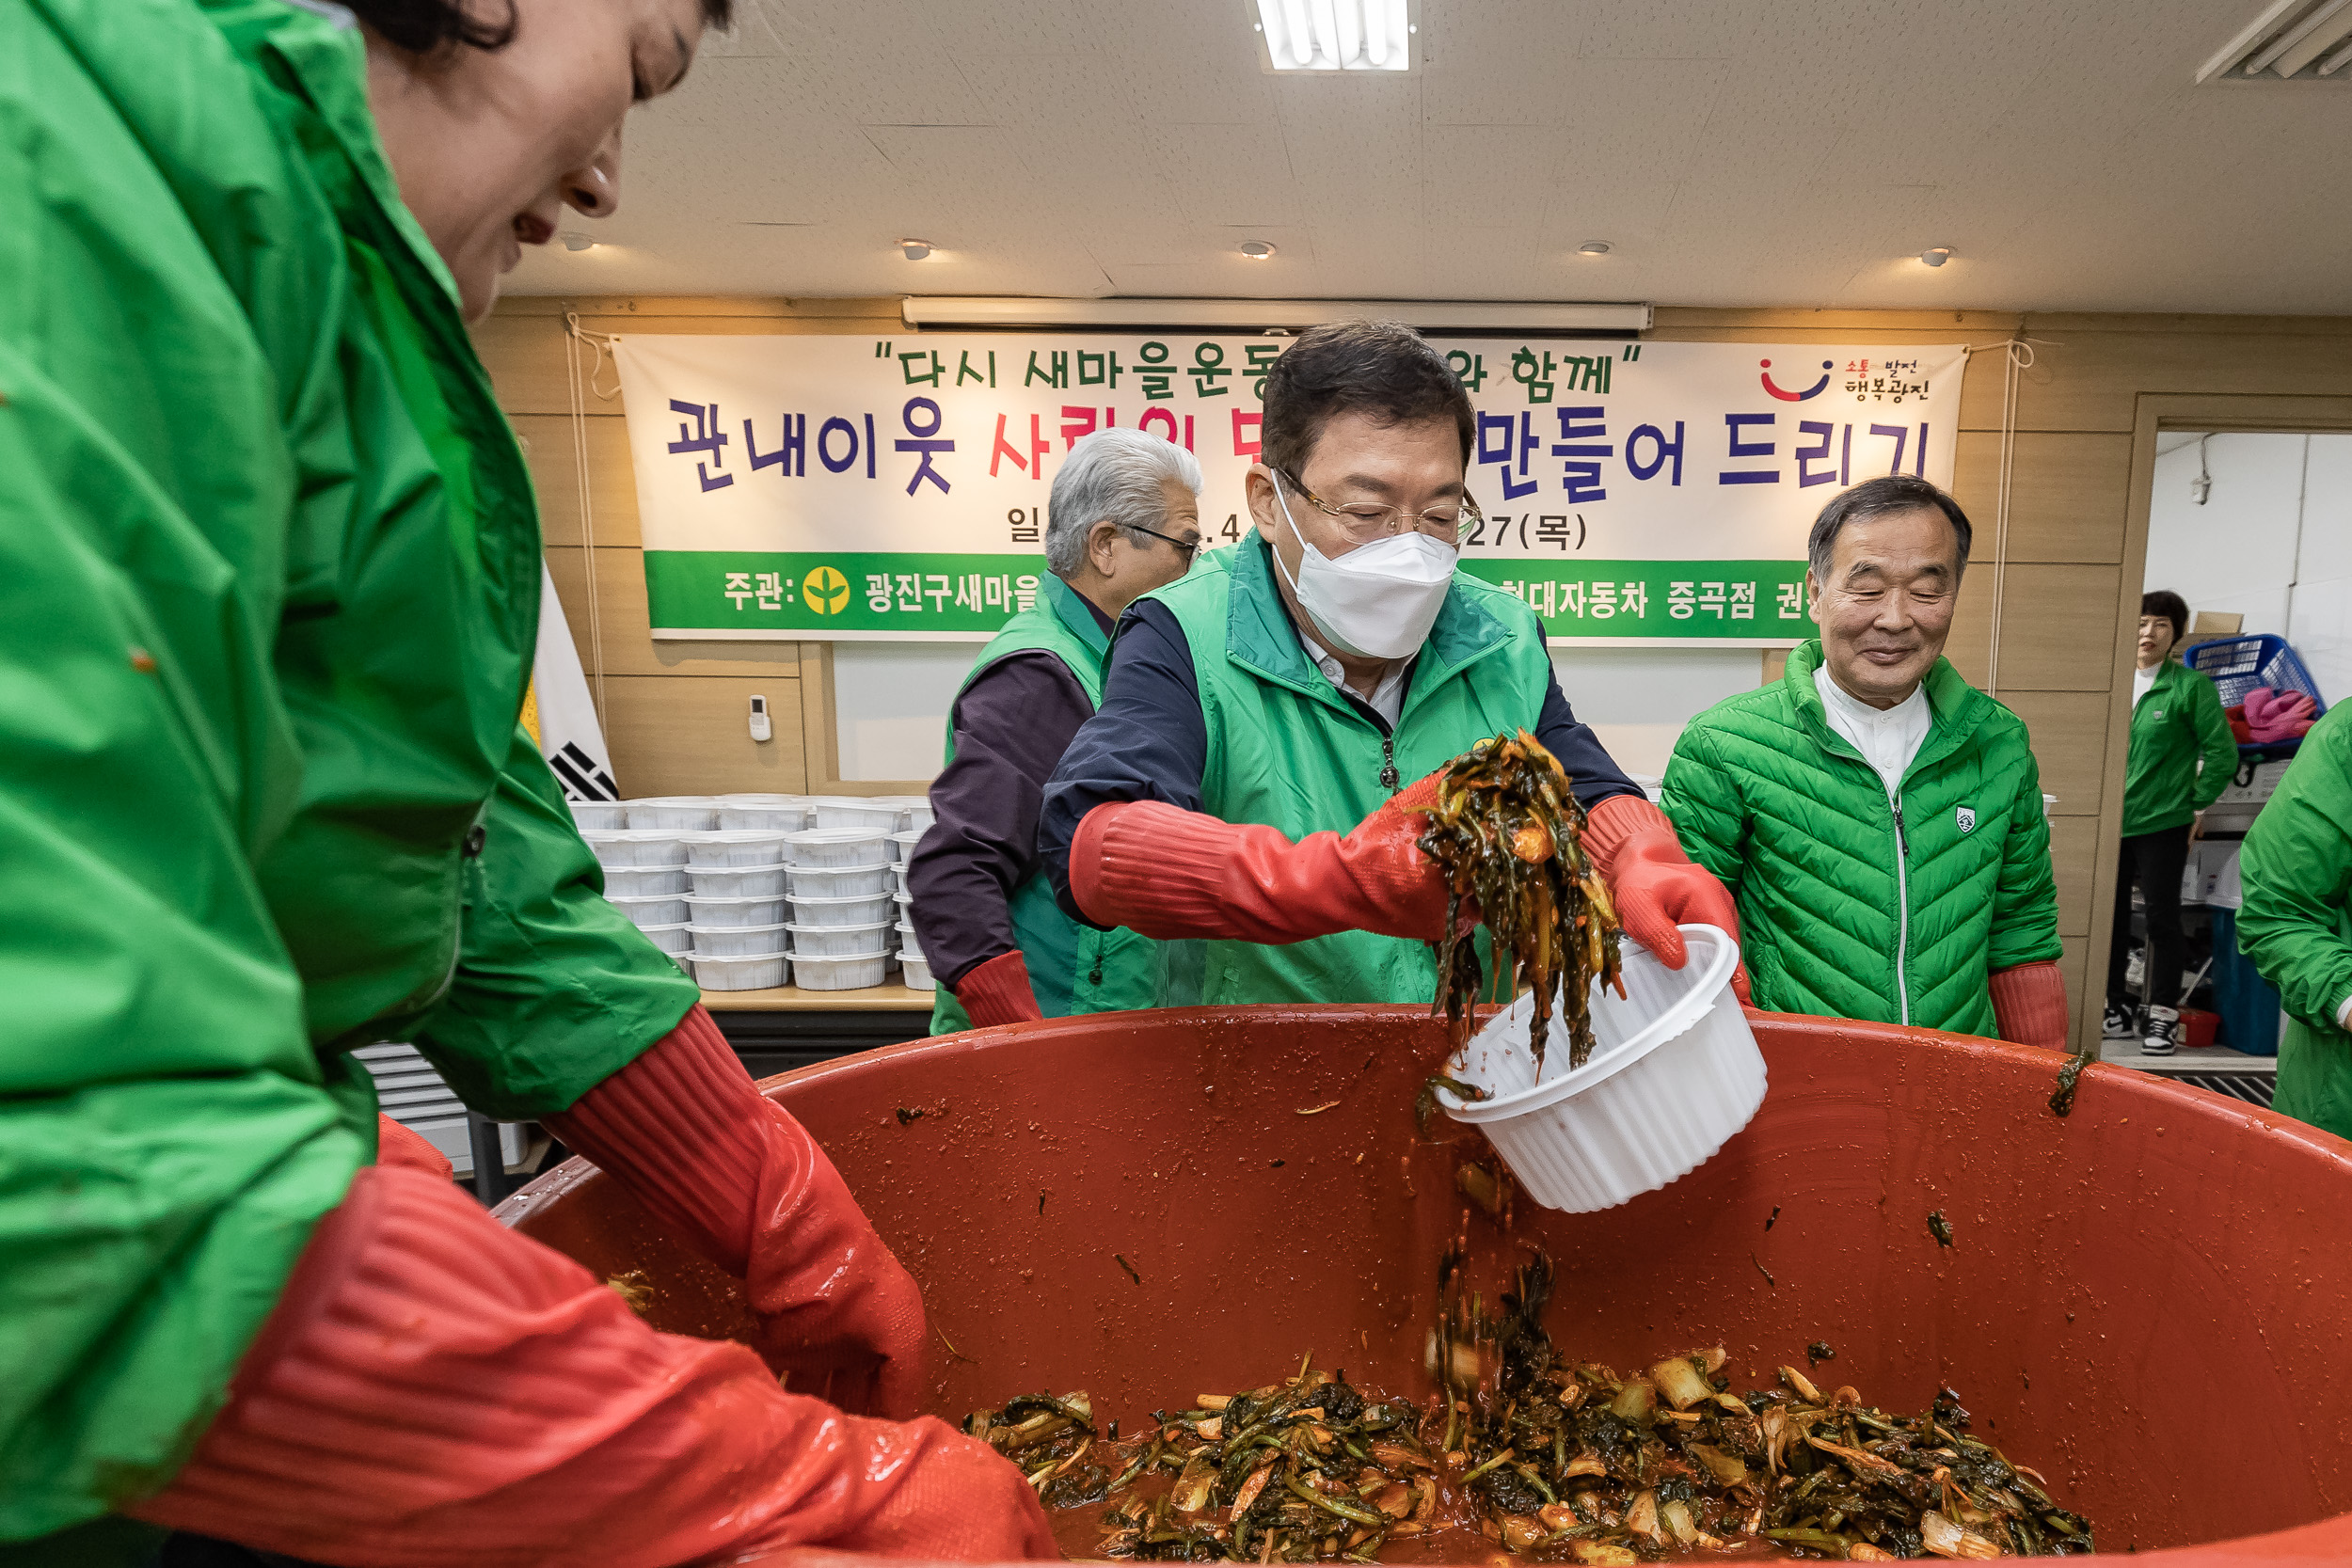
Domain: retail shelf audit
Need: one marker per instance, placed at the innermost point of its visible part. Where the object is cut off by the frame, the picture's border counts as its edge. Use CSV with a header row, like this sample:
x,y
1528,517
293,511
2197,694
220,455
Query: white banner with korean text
x,y
864,488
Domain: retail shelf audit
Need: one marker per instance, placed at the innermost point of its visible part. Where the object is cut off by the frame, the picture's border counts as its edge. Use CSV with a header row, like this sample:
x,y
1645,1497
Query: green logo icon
x,y
825,592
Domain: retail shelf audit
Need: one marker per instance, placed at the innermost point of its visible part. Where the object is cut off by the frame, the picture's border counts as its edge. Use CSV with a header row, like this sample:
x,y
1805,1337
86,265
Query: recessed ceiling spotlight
x,y
915,250
1256,250
1594,247
575,240
1936,257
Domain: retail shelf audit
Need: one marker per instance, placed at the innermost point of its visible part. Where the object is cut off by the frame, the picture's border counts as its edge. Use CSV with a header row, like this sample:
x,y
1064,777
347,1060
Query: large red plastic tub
x,y
2150,1301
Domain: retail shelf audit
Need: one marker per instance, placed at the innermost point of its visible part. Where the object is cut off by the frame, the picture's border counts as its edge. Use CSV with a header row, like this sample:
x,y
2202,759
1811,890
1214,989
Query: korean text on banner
x,y
858,488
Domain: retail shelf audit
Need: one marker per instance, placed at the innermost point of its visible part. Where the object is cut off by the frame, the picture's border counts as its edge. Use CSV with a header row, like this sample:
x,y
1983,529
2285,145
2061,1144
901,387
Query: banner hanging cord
x,y
574,341
2018,357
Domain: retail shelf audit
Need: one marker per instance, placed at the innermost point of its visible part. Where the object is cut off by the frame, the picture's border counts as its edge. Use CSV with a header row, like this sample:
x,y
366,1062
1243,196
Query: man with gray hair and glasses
x,y
1878,819
1123,519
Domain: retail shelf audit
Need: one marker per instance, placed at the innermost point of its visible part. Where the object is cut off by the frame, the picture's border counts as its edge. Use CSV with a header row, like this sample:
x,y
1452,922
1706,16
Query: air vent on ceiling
x,y
2306,41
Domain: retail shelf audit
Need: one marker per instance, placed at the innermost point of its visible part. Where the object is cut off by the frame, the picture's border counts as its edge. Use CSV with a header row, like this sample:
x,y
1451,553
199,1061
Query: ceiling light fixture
x,y
1336,34
1594,247
1936,257
1256,250
1432,315
575,240
915,250
2300,39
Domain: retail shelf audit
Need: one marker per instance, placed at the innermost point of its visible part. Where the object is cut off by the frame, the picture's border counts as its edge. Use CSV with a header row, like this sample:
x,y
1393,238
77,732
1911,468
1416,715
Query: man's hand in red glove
x,y
685,1132
996,990
1171,874
2029,1005
434,1389
1656,885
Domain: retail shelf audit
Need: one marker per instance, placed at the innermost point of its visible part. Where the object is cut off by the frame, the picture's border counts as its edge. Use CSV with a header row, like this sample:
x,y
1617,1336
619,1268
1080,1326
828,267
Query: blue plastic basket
x,y
2237,665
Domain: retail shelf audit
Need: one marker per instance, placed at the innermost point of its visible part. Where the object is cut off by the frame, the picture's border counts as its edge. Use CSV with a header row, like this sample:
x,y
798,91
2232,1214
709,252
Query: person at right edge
x,y
2296,922
1880,819
2183,756
1237,795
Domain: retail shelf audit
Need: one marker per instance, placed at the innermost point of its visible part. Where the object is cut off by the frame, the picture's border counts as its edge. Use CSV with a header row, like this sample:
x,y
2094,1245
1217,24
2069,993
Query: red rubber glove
x,y
433,1389
2029,1005
685,1132
397,1146
996,990
1656,885
1170,873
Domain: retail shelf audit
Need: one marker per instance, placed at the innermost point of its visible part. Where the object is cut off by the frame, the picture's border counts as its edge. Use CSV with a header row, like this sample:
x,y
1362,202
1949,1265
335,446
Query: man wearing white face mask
x,y
1236,794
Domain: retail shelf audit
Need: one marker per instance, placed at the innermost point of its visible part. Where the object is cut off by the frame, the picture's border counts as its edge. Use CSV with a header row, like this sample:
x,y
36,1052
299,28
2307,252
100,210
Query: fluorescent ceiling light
x,y
2283,43
1336,34
1432,315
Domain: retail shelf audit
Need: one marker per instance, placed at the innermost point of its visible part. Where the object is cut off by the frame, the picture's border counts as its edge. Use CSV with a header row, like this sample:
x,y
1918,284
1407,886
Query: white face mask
x,y
1379,600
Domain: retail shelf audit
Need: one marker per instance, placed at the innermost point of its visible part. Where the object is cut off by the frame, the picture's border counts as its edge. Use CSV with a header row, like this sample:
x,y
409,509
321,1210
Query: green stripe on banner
x,y
780,594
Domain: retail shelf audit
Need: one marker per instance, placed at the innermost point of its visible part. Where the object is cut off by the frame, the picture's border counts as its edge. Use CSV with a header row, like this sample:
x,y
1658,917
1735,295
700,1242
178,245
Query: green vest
x,y
1285,749
1072,968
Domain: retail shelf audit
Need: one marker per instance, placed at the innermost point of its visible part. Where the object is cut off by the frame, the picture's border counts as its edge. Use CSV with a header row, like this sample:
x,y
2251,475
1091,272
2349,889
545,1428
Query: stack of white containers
x,y
755,891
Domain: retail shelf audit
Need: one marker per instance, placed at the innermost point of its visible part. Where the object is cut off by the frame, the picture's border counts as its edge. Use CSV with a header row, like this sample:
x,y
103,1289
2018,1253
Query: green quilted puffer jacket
x,y
1847,907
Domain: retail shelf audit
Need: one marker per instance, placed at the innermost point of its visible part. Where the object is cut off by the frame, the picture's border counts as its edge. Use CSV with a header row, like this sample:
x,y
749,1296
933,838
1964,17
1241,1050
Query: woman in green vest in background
x,y
2296,922
1123,519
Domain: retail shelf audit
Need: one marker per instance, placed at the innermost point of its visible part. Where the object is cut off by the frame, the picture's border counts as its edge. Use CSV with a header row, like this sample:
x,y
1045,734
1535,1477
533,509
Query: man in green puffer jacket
x,y
2296,926
1879,821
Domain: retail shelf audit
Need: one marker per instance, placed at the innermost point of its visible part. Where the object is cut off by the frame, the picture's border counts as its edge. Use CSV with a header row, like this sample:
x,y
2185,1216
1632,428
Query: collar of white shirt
x,y
1888,738
1386,699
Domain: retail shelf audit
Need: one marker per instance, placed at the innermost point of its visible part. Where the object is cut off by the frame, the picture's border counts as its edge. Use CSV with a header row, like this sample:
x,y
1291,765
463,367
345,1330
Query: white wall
x,y
2238,552
892,698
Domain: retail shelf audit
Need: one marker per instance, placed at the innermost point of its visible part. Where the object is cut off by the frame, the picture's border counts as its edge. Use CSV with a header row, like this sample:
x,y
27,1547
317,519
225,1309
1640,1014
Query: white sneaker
x,y
2119,1024
2163,1033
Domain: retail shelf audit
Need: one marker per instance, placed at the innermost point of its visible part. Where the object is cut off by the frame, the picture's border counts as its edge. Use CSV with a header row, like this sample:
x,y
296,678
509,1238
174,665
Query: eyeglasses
x,y
1362,521
1190,547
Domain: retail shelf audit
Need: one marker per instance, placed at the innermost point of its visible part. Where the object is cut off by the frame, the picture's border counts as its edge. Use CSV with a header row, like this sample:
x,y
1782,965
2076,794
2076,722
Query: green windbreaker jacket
x,y
1845,909
269,566
2174,727
2297,926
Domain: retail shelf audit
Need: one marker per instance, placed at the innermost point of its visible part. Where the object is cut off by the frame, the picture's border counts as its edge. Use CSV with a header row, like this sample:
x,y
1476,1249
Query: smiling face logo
x,y
825,592
1813,392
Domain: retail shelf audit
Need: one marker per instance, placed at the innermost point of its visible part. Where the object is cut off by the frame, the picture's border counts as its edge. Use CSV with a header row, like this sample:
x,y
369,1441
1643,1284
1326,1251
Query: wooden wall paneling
x,y
2090,371
554,473
2073,850
2066,495
2070,745
2057,627
673,736
628,645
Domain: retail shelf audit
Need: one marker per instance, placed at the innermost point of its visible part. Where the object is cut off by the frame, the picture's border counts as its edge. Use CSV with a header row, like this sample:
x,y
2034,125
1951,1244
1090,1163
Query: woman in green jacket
x,y
268,580
2182,756
2296,922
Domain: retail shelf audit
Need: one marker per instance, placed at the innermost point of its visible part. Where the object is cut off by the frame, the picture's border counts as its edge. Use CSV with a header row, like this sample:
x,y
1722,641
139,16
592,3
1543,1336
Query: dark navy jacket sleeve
x,y
1010,725
1147,742
1593,774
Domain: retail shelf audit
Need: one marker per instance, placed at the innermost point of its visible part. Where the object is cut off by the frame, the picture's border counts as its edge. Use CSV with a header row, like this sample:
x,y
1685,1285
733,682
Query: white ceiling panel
x,y
1733,151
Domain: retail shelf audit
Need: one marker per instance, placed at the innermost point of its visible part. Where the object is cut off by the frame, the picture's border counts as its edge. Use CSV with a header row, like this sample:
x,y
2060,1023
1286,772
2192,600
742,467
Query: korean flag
x,y
557,710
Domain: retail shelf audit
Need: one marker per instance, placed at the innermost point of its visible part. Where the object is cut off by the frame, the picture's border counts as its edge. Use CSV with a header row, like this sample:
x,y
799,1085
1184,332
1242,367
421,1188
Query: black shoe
x,y
2163,1034
2120,1025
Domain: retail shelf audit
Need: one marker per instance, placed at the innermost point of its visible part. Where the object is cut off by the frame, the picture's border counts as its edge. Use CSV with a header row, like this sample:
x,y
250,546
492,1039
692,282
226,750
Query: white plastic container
x,y
902,845
843,974
847,810
840,941
735,942
839,882
627,847
661,908
1675,1072
676,813
761,972
864,911
736,881
676,939
766,910
899,883
783,816
835,848
910,945
606,815
916,810
642,881
740,846
915,974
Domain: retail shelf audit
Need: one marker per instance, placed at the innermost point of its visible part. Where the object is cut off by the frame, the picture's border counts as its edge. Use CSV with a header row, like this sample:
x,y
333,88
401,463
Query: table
x,y
785,1027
